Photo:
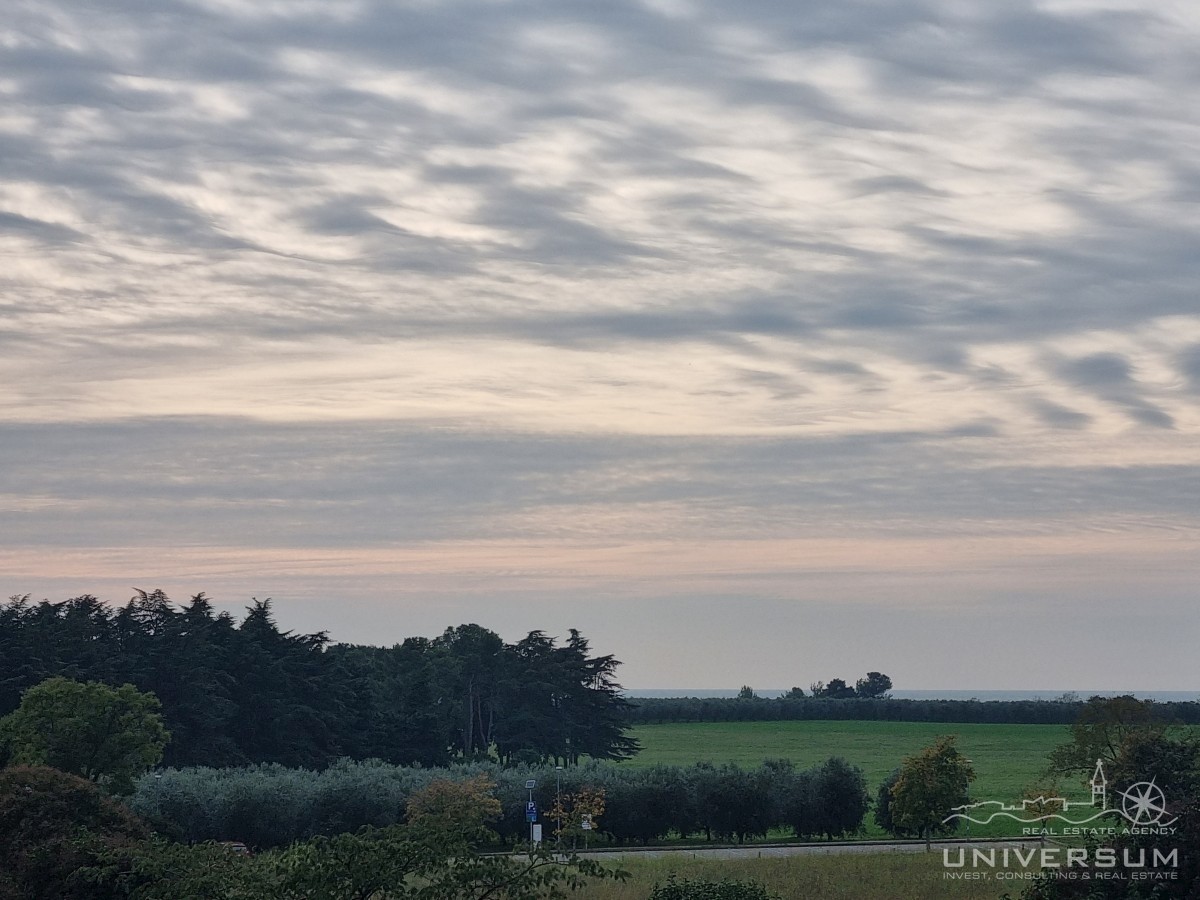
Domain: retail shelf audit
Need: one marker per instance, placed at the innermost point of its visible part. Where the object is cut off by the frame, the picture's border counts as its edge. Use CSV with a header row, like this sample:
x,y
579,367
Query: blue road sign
x,y
530,811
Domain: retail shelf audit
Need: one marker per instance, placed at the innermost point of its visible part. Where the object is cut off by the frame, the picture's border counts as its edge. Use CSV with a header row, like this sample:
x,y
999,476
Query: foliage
x,y
158,869
808,876
51,825
731,803
645,805
369,863
107,735
836,689
272,806
238,693
747,693
793,707
528,876
840,799
455,804
396,863
1101,728
1043,797
573,811
876,684
1171,763
883,808
830,800
930,784
676,888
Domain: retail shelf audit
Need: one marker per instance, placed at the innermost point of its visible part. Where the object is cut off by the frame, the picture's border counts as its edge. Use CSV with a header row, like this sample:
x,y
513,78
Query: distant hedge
x,y
661,710
271,805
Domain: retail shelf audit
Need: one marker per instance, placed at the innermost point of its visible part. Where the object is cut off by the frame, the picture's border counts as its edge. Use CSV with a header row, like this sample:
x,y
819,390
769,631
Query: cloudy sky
x,y
763,342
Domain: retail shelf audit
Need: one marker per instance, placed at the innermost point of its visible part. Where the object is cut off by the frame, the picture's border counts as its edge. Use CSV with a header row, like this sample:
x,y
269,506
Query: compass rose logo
x,y
1144,804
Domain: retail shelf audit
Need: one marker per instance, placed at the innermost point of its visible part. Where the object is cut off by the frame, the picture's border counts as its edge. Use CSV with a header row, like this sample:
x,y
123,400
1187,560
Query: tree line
x,y
235,693
272,806
661,710
62,839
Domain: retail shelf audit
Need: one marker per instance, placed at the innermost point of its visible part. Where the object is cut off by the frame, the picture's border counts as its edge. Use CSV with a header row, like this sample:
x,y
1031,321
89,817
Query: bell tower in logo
x,y
1099,787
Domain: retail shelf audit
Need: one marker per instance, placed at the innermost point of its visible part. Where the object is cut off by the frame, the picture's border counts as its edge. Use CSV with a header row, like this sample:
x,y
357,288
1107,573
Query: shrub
x,y
52,824
677,888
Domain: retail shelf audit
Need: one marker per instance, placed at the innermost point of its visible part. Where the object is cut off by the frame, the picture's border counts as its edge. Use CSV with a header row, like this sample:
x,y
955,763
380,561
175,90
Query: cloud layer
x,y
293,277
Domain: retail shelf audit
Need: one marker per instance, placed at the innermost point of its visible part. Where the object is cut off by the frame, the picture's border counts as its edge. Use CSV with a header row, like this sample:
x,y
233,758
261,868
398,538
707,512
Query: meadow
x,y
1008,759
874,876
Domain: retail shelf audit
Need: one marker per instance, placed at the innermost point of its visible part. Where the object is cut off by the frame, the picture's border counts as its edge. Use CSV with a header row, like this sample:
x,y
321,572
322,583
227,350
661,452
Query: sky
x,y
762,342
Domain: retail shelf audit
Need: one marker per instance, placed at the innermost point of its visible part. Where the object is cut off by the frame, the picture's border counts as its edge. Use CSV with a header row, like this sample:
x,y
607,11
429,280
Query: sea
x,y
1160,696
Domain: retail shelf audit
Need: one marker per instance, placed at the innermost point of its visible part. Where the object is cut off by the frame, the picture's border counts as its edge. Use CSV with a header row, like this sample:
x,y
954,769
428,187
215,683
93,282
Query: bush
x,y
52,824
677,888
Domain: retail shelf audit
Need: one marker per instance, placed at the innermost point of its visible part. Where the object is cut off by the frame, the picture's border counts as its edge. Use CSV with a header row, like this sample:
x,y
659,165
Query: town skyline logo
x,y
1142,805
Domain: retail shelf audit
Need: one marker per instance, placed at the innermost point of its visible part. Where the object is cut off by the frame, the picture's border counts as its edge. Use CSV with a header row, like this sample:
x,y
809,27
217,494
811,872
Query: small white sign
x,y
537,832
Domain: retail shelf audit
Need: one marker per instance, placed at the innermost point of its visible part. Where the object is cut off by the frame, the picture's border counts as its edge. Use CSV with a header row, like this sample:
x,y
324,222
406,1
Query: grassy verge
x,y
882,876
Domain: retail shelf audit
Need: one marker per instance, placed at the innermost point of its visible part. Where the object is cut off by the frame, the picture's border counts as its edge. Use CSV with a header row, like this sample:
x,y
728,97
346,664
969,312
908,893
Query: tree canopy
x,y
43,815
1103,726
930,784
243,692
107,735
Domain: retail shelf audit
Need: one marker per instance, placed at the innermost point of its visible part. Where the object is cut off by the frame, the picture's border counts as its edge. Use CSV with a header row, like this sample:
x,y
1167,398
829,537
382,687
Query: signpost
x,y
535,830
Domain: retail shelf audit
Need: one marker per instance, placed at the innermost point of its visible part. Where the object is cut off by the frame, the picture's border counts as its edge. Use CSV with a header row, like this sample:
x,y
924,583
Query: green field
x,y
1007,759
875,876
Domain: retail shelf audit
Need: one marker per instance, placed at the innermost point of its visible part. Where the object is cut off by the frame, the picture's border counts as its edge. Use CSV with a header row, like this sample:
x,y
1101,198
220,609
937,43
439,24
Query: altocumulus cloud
x,y
309,275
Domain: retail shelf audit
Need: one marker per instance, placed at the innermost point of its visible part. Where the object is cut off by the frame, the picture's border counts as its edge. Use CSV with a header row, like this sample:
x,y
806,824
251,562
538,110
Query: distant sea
x,y
1161,696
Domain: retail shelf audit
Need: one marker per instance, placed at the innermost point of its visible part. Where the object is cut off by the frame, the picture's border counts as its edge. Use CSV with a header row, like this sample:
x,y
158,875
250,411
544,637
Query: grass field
x,y
883,876
1007,758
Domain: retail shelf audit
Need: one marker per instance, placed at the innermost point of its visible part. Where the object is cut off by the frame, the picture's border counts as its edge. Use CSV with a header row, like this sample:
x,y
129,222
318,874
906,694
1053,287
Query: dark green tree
x,y
287,703
1171,763
836,689
52,825
875,684
235,693
107,735
475,654
1100,731
593,710
883,809
731,803
840,798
